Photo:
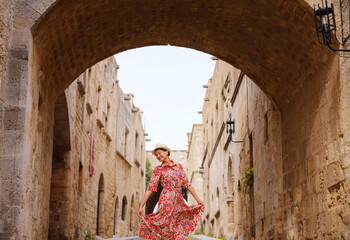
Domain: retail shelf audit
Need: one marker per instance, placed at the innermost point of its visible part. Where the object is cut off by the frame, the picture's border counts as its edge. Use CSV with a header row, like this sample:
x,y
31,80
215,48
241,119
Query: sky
x,y
167,85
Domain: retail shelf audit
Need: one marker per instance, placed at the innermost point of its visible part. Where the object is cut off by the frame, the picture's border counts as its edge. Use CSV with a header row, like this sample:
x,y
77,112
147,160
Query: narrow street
x,y
261,141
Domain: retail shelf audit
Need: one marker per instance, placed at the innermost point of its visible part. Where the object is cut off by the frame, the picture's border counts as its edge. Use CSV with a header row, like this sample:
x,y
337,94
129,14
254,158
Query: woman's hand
x,y
139,213
194,194
200,202
143,202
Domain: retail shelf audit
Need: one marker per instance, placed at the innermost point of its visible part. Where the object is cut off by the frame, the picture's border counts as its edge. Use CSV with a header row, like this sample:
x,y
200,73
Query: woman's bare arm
x,y
144,200
194,194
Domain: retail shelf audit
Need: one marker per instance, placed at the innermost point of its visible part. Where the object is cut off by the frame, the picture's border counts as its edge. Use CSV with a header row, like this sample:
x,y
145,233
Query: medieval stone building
x,y
194,169
98,152
230,205
236,209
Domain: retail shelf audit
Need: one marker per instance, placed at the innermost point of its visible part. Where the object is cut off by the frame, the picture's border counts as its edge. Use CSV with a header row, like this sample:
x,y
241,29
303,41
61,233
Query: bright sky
x,y
167,85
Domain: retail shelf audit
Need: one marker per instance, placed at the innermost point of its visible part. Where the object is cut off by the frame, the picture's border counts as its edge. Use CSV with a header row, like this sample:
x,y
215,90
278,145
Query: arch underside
x,y
273,42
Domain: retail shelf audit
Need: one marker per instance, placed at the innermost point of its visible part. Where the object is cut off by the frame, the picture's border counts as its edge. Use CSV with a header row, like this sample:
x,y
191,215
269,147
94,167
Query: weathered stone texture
x,y
273,43
67,194
112,173
204,20
300,170
194,161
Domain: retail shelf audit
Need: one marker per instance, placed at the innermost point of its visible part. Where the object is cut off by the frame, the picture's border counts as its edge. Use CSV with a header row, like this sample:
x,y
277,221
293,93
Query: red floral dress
x,y
174,219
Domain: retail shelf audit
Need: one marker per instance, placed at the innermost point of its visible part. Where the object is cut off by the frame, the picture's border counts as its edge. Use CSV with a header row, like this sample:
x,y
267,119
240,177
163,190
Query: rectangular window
x,y
266,129
99,96
80,183
136,146
126,137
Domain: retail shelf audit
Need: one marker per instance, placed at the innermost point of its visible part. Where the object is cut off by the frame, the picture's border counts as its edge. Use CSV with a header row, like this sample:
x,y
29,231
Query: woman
x,y
174,219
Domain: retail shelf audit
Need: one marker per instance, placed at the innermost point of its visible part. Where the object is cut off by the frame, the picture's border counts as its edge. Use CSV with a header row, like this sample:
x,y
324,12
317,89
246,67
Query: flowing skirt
x,y
173,220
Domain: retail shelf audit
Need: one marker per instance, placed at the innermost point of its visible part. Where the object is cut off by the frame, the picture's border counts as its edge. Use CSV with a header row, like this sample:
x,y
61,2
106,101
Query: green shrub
x,y
247,180
89,236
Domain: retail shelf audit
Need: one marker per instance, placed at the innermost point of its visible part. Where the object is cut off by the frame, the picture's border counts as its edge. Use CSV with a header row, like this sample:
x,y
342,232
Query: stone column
x,y
12,117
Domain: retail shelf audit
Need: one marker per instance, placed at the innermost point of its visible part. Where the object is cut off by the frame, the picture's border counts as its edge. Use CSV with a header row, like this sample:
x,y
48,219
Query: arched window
x,y
124,205
217,199
100,204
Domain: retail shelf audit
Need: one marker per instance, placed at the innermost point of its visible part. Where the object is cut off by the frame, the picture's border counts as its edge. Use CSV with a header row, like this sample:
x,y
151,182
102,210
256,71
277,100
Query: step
x,y
202,237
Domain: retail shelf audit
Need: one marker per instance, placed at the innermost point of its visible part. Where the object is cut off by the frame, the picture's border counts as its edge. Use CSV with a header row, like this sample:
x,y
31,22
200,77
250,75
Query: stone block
x,y
12,143
6,236
25,16
14,118
297,192
11,192
18,54
346,162
40,5
7,168
16,88
311,206
311,165
311,227
333,174
6,217
332,152
310,187
21,39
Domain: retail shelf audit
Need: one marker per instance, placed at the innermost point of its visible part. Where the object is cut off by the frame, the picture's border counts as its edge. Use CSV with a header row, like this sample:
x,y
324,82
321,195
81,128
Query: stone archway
x,y
71,37
51,42
59,192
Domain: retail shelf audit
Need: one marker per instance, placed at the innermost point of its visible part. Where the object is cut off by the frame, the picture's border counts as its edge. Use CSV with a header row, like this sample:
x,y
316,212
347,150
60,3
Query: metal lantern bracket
x,y
230,129
326,26
201,172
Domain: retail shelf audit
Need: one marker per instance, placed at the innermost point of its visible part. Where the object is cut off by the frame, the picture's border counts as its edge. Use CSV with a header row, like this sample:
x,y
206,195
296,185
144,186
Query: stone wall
x,y
194,160
300,171
274,44
107,110
93,106
232,211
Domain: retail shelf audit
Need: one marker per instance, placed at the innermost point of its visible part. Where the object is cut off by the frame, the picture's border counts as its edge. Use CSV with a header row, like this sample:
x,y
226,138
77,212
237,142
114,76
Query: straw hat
x,y
160,146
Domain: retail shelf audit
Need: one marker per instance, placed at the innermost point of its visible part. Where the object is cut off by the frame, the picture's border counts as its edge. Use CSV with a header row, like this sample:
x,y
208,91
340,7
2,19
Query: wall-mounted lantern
x,y
325,25
201,171
230,129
